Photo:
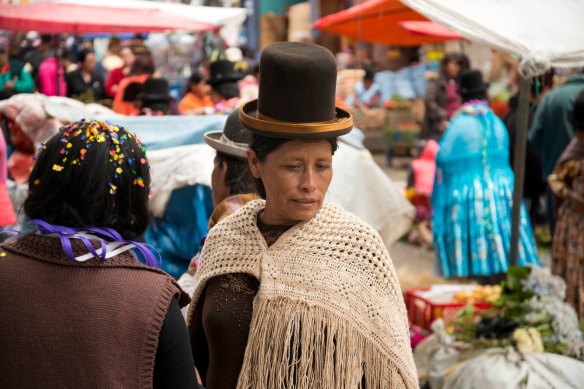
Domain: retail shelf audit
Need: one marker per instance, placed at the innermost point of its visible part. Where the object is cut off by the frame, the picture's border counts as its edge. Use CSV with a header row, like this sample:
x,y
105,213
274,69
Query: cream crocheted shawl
x,y
329,312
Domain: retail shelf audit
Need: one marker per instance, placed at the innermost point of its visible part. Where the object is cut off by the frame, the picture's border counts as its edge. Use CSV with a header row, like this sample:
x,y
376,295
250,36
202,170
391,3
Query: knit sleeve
x,y
173,366
199,346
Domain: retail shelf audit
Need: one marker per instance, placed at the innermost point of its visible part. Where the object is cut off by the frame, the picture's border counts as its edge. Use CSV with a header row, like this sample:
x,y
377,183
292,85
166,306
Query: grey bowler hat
x,y
233,140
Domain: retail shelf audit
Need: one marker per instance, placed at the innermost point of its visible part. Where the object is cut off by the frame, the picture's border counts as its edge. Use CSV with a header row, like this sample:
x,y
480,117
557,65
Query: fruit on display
x,y
487,293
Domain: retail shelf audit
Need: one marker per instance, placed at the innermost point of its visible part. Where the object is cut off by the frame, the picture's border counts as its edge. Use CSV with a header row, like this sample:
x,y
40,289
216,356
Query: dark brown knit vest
x,y
66,324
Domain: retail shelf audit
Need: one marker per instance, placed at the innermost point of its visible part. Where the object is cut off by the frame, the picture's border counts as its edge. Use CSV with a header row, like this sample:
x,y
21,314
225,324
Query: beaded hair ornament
x,y
91,132
77,139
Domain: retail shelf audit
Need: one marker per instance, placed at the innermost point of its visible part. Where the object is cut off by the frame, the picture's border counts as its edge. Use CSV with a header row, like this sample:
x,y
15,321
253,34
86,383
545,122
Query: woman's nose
x,y
308,181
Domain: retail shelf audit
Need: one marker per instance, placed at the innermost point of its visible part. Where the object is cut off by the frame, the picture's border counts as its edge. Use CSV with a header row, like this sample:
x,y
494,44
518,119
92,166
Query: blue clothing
x,y
177,236
551,130
364,96
473,197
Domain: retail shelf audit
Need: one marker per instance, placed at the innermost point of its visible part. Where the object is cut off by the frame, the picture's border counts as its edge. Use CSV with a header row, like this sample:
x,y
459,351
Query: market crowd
x,y
125,79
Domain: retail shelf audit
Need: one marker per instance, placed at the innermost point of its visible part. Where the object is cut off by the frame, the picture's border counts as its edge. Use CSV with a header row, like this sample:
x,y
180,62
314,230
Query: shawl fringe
x,y
295,345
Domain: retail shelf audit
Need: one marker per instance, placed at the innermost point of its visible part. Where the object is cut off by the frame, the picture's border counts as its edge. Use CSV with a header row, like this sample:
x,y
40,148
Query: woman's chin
x,y
304,211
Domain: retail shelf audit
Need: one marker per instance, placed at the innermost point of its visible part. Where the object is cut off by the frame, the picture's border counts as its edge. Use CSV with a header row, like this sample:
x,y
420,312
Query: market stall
x,y
529,337
519,335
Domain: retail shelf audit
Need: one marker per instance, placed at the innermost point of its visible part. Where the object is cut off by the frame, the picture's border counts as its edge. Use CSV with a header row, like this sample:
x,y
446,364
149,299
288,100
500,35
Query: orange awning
x,y
377,21
429,29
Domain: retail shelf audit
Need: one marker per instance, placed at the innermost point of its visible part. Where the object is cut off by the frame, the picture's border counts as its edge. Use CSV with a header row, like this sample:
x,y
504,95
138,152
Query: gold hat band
x,y
265,123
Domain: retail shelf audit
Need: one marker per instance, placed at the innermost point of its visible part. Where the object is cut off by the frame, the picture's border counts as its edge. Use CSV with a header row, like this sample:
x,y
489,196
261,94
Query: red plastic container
x,y
422,312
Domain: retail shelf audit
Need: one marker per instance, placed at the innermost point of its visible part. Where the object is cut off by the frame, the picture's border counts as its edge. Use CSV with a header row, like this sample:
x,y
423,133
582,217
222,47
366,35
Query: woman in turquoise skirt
x,y
473,192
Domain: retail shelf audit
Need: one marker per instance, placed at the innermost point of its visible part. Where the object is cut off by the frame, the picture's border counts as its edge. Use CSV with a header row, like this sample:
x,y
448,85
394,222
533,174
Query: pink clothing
x,y
227,106
424,168
453,100
48,78
7,216
3,169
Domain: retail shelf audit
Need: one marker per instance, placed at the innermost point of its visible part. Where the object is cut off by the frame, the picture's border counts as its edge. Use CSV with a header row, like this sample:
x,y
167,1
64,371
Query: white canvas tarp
x,y
545,33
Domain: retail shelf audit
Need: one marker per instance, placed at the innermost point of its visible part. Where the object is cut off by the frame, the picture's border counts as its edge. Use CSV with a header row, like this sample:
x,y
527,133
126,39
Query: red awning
x,y
377,21
54,17
429,29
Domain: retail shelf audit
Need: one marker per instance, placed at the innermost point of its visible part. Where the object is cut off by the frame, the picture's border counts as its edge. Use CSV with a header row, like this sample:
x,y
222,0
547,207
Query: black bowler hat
x,y
155,89
472,85
233,140
223,71
296,94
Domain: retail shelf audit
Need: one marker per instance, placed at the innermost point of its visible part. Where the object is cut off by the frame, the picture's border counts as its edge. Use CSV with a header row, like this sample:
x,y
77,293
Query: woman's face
x,y
296,177
127,56
453,69
200,89
215,96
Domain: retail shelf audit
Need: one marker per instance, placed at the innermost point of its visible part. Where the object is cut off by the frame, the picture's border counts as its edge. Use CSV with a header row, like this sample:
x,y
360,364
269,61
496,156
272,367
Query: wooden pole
x,y
519,167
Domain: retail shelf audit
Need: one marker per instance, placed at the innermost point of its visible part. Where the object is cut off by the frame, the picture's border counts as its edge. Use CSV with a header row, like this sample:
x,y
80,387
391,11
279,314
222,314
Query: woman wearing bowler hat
x,y
473,192
309,296
155,97
225,91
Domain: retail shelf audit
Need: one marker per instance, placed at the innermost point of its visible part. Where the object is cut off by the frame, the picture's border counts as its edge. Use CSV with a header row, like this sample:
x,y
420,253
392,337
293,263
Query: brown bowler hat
x,y
296,94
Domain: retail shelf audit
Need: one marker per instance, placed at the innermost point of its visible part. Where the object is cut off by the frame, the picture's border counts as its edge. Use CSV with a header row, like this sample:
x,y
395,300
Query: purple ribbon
x,y
102,234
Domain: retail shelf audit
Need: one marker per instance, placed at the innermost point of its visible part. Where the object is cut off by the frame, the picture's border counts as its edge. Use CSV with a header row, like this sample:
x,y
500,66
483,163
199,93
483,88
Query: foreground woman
x,y
78,310
311,298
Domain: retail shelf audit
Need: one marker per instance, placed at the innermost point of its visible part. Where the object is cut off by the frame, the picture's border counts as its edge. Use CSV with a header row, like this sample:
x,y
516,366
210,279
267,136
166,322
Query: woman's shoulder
x,y
337,220
240,222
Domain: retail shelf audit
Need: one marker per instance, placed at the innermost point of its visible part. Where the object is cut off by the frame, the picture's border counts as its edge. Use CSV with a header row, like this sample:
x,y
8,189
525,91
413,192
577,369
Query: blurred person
x,y
155,98
419,193
567,184
17,46
473,193
367,93
71,284
534,185
225,92
551,131
112,58
21,158
7,216
137,43
85,83
503,81
115,76
249,57
249,86
52,73
196,100
131,85
37,55
15,56
13,79
442,98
